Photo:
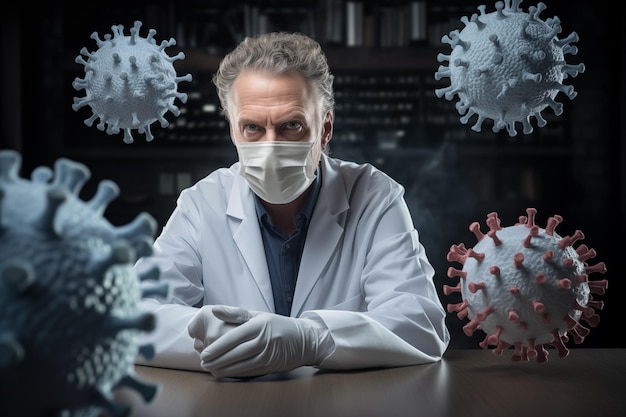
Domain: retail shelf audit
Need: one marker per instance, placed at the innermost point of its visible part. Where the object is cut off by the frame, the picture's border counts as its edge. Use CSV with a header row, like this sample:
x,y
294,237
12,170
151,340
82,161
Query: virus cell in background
x,y
130,82
507,66
525,286
69,295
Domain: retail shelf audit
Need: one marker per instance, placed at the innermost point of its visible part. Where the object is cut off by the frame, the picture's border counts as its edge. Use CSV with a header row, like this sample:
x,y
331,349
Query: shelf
x,y
389,59
340,58
382,59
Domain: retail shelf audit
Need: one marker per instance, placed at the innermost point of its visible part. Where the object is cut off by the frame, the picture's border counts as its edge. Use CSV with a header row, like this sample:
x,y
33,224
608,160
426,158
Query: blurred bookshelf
x,y
383,56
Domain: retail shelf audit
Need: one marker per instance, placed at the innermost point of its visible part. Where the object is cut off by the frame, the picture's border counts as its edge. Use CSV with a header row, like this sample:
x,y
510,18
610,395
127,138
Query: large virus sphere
x,y
69,296
130,82
507,66
525,286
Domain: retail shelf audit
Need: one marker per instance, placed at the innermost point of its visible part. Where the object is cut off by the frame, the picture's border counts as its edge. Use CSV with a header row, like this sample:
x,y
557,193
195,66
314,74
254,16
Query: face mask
x,y
278,172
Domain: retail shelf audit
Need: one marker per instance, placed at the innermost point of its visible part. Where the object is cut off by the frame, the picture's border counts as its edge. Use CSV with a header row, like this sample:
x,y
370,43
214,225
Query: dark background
x,y
387,114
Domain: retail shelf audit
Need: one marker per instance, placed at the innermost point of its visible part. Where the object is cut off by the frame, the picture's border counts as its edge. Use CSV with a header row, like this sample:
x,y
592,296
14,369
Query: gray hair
x,y
278,53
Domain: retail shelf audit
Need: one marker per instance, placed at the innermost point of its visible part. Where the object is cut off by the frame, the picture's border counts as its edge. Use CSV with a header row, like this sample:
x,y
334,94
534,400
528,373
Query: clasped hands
x,y
235,342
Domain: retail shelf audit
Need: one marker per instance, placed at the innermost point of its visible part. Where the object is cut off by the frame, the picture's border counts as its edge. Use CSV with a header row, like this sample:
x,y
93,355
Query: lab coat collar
x,y
244,226
325,231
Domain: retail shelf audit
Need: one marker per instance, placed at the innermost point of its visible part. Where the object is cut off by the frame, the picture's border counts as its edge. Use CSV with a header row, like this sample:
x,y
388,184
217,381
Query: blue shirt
x,y
283,253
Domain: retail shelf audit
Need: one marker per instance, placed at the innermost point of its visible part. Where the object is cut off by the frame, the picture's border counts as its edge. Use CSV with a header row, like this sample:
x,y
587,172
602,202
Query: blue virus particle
x,y
130,82
507,66
69,295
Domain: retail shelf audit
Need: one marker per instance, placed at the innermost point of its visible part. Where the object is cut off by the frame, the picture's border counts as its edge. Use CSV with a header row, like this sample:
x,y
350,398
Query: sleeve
x,y
176,254
173,348
404,320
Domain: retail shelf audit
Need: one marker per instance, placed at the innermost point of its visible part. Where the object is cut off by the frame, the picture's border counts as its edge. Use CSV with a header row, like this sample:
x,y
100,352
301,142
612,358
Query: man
x,y
290,257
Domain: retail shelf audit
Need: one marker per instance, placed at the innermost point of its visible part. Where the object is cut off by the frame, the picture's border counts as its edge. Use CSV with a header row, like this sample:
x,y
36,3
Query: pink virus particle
x,y
69,295
508,66
130,82
525,286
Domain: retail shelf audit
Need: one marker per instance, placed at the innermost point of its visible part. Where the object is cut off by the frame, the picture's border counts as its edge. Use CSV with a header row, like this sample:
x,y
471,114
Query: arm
x,y
404,321
175,253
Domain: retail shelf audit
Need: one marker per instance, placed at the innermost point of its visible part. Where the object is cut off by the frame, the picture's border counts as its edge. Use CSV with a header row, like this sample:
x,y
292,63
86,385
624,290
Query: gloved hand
x,y
205,328
264,343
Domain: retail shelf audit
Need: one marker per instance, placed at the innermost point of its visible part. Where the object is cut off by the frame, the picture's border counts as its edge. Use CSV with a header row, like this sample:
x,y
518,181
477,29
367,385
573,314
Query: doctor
x,y
290,257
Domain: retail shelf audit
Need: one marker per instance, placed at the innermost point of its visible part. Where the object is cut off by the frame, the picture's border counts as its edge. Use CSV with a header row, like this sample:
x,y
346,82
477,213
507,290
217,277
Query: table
x,y
466,383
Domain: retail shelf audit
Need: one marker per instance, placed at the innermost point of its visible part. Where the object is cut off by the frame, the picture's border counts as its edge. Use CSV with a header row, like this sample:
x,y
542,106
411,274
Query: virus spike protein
x,y
526,287
69,295
130,82
507,66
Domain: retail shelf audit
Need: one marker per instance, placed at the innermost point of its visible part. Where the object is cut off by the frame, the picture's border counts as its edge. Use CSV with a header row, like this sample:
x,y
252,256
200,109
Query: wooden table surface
x,y
466,383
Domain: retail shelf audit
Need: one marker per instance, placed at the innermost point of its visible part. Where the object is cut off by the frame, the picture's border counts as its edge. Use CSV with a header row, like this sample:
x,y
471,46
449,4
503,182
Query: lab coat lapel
x,y
325,230
244,226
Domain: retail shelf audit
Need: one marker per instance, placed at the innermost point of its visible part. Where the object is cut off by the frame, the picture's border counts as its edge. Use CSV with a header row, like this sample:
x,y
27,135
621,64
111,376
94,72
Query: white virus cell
x,y
525,286
130,82
507,66
69,296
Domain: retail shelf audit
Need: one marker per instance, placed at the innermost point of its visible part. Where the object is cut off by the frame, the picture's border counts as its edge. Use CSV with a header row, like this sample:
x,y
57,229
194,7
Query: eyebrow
x,y
299,116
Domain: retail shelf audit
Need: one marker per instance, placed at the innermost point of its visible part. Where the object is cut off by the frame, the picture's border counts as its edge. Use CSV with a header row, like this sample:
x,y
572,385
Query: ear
x,y
327,129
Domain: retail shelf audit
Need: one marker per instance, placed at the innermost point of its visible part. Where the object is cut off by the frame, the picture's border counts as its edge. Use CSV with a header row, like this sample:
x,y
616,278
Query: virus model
x,y
525,286
507,66
69,296
130,82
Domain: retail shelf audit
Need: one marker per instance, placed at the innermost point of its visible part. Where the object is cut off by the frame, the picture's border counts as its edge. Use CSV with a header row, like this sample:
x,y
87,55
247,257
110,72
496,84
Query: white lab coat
x,y
364,273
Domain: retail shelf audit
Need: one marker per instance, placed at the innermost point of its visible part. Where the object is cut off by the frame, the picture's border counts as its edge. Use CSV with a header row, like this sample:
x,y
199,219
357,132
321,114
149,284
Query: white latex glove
x,y
264,343
205,328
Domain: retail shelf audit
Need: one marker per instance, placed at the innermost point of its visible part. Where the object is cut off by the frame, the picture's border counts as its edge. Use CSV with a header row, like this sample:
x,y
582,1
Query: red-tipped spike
x,y
475,228
559,344
485,313
585,253
534,231
471,327
447,289
493,222
538,306
599,268
531,216
570,240
540,278
454,272
496,240
479,256
548,256
598,286
457,253
553,222
564,284
475,286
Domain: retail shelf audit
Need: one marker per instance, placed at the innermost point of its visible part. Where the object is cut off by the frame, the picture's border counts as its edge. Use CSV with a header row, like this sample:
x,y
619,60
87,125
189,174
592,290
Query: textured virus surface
x,y
525,286
69,296
130,82
507,66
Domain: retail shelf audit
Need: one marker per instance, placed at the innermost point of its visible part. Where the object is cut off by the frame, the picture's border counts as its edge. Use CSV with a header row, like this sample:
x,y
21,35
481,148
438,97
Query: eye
x,y
292,125
251,127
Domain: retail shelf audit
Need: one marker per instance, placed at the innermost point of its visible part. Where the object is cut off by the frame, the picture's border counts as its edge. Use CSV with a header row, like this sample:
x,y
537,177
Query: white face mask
x,y
278,172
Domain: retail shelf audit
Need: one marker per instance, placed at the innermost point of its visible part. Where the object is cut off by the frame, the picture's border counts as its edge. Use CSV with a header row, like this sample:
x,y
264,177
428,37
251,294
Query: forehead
x,y
261,86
